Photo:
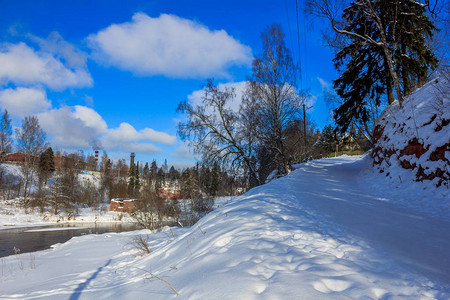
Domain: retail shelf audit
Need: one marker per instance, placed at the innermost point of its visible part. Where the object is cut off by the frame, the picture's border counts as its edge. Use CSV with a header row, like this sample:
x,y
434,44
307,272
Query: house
x,y
123,205
170,190
17,157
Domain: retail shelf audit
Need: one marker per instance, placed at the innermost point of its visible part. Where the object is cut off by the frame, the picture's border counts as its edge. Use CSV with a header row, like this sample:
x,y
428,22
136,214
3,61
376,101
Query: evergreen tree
x,y
107,176
173,176
384,39
132,180
153,175
328,139
146,174
215,180
160,179
137,181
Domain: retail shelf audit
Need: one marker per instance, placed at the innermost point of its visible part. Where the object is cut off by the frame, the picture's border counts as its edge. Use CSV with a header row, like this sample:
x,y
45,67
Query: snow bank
x,y
12,215
412,142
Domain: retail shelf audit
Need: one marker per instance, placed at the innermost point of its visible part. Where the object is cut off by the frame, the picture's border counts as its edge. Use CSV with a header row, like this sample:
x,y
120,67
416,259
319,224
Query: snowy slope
x,y
412,141
314,234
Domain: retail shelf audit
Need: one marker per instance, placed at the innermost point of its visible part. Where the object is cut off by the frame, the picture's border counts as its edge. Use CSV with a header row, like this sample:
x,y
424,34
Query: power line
x,y
289,23
298,43
305,49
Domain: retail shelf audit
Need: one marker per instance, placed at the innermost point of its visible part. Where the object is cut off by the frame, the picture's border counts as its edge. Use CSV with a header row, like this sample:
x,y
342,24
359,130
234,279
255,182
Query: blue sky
x,y
113,72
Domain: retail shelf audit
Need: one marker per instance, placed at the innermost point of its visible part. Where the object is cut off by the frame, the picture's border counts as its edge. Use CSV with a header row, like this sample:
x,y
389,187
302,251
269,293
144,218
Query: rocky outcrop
x,y
416,136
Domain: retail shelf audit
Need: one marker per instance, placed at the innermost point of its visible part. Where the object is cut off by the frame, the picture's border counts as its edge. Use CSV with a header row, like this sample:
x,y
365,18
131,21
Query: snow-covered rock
x,y
412,141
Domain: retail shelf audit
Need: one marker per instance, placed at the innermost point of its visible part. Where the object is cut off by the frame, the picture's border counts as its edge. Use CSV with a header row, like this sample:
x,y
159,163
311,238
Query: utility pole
x,y
304,130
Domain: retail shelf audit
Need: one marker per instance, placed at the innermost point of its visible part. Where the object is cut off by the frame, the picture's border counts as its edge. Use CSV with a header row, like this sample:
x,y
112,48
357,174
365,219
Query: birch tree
x,y
215,131
31,141
5,135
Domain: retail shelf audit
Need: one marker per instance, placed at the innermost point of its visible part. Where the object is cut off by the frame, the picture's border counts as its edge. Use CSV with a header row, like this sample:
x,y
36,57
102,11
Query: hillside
x,y
412,141
318,233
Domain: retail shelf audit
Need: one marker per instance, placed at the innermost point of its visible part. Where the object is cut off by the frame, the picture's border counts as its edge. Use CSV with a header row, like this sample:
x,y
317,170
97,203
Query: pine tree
x,y
132,180
46,163
173,174
160,179
146,174
328,139
215,180
107,177
375,29
137,181
153,175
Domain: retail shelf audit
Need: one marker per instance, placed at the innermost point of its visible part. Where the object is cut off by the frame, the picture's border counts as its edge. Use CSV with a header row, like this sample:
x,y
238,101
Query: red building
x,y
122,205
16,157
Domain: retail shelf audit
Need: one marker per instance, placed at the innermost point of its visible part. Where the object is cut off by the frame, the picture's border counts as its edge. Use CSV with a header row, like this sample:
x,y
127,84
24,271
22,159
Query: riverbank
x,y
13,216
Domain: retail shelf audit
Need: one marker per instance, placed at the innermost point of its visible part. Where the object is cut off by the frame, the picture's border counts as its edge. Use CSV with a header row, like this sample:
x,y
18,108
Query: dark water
x,y
41,240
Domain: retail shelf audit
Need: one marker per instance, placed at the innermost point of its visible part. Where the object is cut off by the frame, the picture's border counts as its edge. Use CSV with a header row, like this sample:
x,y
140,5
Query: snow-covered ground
x,y
12,216
318,233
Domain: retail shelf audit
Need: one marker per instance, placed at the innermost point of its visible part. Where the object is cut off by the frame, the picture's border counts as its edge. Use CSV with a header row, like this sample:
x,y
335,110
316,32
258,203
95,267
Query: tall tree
x,y
153,175
273,84
215,180
214,129
107,176
31,142
146,174
5,135
46,163
392,32
132,181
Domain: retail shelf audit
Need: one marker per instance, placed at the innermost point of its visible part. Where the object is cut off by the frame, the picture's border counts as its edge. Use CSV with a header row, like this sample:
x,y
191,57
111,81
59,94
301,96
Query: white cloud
x,y
141,148
181,165
22,65
323,83
90,118
61,49
81,127
183,152
23,102
127,133
69,127
168,45
196,97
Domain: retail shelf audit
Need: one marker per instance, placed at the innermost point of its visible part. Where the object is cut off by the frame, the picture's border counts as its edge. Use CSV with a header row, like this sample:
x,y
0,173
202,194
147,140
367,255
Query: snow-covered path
x,y
333,188
315,234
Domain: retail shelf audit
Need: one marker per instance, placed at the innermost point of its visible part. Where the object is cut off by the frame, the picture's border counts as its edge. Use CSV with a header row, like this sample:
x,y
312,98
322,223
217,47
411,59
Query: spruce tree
x,y
131,180
146,173
367,77
215,180
46,163
137,181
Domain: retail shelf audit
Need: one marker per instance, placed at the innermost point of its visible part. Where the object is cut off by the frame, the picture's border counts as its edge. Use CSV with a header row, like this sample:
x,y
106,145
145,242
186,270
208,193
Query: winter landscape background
x,y
237,150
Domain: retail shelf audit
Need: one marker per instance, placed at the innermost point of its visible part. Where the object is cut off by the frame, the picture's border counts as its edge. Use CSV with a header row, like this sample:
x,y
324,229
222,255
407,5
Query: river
x,y
30,239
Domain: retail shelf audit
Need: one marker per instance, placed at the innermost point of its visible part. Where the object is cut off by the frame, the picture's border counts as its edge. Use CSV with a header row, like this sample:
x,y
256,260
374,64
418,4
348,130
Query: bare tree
x,y
31,142
273,85
5,135
215,130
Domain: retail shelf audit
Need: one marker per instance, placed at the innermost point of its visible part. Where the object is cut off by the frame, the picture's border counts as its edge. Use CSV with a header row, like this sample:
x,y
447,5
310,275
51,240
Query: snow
x,y
422,117
12,216
318,233
55,229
